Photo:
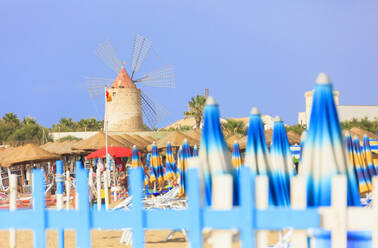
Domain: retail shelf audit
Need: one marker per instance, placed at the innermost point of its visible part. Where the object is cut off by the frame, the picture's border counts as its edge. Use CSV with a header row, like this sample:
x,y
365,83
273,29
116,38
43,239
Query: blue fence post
x,y
137,209
38,197
247,207
194,208
59,198
83,233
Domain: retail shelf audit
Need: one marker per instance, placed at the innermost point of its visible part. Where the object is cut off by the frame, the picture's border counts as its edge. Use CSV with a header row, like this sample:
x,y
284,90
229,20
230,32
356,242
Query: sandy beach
x,y
110,238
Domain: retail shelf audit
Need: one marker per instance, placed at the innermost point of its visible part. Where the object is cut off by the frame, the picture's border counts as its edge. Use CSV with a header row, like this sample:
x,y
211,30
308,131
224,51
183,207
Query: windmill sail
x,y
142,47
164,77
107,53
153,112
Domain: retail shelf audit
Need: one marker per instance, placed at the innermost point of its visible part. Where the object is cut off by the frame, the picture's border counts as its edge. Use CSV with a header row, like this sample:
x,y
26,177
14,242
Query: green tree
x,y
196,106
9,123
70,138
364,123
29,130
234,127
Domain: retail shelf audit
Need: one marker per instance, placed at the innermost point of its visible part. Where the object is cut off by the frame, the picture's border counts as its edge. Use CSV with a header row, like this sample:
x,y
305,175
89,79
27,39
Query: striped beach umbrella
x,y
183,158
236,158
195,151
214,155
180,174
355,160
257,154
135,159
373,171
157,170
324,154
374,145
364,180
282,165
170,164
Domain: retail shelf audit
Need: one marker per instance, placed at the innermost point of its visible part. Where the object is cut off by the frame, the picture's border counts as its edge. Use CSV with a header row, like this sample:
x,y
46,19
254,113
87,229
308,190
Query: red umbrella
x,y
114,151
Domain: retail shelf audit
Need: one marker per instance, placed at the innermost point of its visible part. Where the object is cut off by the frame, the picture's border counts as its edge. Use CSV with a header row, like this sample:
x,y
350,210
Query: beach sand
x,y
110,238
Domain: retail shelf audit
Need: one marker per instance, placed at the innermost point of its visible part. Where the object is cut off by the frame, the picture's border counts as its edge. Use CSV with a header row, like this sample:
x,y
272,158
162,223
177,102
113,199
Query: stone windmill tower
x,y
126,106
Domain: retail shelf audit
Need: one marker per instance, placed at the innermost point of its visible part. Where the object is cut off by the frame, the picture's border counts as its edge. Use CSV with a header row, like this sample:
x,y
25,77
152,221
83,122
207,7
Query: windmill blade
x,y
96,86
152,111
141,48
107,53
164,77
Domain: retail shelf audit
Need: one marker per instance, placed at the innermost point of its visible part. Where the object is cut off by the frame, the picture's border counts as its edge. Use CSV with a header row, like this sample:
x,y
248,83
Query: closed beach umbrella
x,y
214,155
135,159
184,155
170,164
180,174
257,154
324,154
236,158
364,180
355,160
195,151
369,157
282,166
157,170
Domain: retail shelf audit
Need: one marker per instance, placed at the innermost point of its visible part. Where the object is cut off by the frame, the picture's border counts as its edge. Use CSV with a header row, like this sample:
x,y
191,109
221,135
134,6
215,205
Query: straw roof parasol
x,y
149,138
141,140
52,146
360,133
66,148
195,134
27,153
5,152
293,138
231,140
125,142
176,138
46,145
96,142
140,145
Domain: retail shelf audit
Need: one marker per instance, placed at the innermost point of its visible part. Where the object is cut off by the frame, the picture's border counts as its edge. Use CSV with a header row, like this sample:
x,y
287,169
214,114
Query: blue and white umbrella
x,y
324,154
257,154
369,157
214,155
282,165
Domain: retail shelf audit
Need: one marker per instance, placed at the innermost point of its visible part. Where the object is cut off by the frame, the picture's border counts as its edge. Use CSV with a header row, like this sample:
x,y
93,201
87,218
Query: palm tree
x,y
196,105
233,127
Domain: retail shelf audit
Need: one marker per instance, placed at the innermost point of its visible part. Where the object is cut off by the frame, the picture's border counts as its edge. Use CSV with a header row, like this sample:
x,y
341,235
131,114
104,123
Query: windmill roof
x,y
123,80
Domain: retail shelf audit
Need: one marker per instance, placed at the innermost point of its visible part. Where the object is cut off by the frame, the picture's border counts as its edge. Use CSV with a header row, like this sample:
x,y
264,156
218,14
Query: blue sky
x,y
248,53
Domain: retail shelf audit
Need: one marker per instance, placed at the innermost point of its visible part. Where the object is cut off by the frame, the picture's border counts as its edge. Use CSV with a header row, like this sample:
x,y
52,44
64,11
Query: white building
x,y
346,112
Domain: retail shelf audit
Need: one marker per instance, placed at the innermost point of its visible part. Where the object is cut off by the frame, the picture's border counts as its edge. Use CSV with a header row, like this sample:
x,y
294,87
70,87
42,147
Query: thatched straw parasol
x,y
96,142
231,140
140,145
194,134
360,133
293,138
66,148
149,139
26,154
176,138
51,146
125,142
141,140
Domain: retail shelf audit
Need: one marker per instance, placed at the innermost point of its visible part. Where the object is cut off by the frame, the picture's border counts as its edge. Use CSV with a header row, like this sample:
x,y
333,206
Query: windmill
x,y
126,105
